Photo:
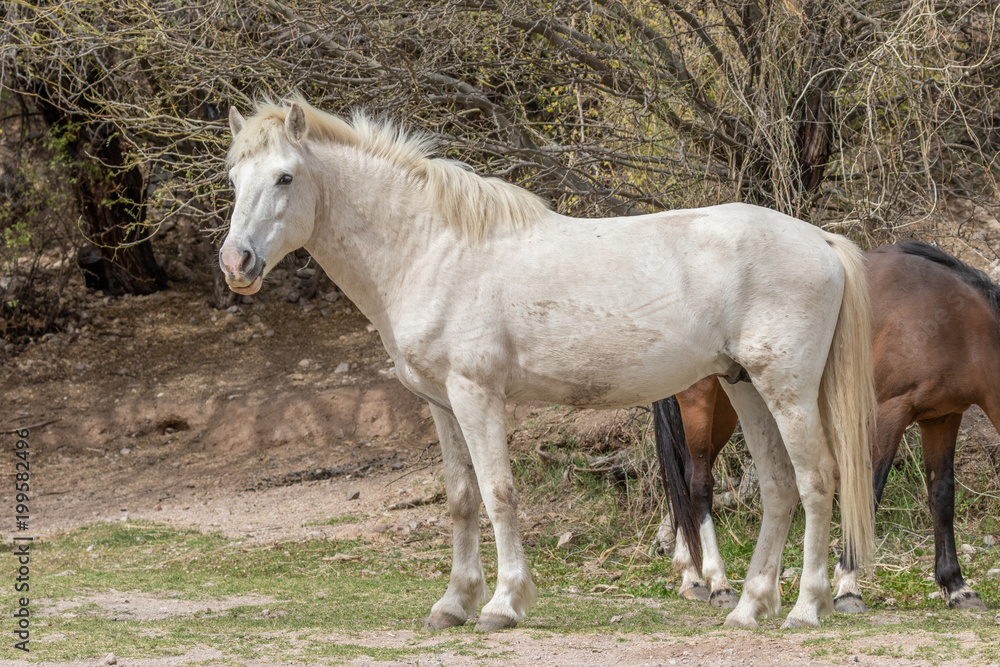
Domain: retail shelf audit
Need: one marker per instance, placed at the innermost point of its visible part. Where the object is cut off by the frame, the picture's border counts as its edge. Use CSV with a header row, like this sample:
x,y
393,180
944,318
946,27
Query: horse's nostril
x,y
247,256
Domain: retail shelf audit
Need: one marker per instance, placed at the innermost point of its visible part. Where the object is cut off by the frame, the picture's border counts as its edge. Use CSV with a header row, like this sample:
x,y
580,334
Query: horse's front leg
x,y
480,412
939,438
894,414
467,587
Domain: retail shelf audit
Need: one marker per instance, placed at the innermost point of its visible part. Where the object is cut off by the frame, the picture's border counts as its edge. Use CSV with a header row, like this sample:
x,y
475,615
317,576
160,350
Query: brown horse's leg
x,y
939,464
698,406
714,568
894,416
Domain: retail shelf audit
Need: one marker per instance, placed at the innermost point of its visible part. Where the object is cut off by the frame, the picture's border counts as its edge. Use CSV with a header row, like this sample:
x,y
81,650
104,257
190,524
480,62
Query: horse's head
x,y
276,197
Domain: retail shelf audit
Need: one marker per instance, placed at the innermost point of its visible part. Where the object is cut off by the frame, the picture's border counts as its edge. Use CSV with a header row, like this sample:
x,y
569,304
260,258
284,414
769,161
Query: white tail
x,y
848,405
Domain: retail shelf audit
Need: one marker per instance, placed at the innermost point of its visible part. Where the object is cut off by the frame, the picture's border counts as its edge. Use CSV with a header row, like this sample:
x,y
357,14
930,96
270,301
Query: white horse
x,y
482,294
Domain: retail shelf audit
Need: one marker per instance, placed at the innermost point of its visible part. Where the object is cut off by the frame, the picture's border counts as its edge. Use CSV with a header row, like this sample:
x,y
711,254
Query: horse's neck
x,y
370,230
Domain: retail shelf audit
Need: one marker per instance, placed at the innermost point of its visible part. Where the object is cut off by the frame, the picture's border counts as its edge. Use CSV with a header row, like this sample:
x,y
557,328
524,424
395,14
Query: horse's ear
x,y
295,124
235,121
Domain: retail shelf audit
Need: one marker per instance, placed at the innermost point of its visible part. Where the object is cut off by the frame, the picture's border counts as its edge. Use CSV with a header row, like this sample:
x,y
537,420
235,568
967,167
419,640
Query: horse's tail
x,y
675,462
848,404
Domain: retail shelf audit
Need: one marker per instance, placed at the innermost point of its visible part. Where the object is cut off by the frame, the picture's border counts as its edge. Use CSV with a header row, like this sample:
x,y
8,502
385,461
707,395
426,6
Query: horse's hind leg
x,y
761,595
939,437
704,428
467,587
713,567
894,416
816,478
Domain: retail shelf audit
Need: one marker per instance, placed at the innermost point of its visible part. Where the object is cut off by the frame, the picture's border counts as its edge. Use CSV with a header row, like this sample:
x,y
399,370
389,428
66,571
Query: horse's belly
x,y
610,379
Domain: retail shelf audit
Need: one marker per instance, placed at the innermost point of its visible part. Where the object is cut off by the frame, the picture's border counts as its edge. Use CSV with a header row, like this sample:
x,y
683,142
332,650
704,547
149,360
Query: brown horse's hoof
x,y
493,622
697,592
440,620
849,603
725,598
966,601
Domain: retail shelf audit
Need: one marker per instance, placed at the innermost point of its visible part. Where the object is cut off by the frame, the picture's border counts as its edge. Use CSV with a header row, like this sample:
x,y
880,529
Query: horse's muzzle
x,y
243,268
246,290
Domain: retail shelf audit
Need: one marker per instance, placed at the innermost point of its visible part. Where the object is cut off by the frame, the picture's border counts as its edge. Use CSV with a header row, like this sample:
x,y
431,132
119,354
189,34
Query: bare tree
x,y
860,114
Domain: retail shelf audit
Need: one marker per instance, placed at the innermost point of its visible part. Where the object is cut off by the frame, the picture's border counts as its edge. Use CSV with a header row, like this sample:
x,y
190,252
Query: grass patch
x,y
99,589
335,520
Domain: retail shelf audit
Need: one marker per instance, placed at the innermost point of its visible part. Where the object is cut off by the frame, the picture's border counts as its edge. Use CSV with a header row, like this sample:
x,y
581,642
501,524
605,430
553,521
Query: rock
x,y
353,495
242,337
110,659
292,296
305,363
178,271
968,549
791,573
749,484
936,595
993,573
664,544
342,367
724,500
989,541
125,450
568,540
331,297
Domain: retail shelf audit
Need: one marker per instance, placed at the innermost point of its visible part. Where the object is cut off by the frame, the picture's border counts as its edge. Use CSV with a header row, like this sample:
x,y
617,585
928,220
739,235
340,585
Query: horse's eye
x,y
285,179
232,186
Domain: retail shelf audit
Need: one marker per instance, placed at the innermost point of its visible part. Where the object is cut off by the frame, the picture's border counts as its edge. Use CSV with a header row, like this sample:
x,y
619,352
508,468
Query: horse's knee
x,y
463,500
818,485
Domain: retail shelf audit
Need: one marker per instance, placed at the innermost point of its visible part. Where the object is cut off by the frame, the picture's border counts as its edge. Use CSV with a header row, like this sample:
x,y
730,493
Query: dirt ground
x,y
257,420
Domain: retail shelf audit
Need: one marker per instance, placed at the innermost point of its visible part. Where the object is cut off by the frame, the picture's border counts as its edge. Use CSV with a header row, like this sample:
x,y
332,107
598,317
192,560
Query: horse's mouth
x,y
252,288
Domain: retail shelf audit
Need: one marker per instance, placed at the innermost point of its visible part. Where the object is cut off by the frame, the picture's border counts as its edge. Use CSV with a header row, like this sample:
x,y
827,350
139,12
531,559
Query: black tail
x,y
675,463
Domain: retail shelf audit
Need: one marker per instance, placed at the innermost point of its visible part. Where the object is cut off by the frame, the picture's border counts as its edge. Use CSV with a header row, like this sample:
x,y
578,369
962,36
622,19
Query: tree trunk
x,y
111,197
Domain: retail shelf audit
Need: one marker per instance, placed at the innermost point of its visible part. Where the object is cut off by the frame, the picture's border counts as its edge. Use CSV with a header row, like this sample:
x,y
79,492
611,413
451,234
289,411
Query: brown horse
x,y
936,339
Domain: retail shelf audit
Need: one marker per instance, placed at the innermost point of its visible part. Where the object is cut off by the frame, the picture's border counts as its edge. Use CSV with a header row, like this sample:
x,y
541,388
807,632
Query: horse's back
x,y
655,302
936,336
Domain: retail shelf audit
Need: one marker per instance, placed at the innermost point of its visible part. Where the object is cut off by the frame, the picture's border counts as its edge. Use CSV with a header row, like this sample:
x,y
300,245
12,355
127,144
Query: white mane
x,y
471,203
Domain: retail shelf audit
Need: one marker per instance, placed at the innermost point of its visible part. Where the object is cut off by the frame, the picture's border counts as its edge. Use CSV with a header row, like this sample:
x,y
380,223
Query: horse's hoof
x,y
725,598
966,601
440,620
792,622
696,591
491,622
849,603
733,621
